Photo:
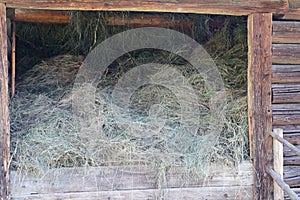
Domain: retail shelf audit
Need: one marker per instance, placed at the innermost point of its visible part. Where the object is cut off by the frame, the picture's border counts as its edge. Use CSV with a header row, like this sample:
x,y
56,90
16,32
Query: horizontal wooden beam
x,y
285,114
42,16
286,32
286,54
286,74
240,7
143,20
137,180
286,93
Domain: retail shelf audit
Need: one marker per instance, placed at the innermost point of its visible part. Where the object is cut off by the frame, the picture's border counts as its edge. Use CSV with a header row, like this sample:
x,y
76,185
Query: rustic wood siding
x,y
286,93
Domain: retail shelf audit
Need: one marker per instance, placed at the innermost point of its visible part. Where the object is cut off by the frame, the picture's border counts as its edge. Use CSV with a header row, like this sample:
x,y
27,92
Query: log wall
x,y
286,93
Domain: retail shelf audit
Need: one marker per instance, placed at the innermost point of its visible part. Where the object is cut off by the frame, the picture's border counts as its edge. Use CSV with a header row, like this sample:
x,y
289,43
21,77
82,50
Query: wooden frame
x,y
259,74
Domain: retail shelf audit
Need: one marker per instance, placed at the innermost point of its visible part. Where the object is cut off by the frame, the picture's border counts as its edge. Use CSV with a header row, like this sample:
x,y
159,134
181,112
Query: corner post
x,y
4,113
259,101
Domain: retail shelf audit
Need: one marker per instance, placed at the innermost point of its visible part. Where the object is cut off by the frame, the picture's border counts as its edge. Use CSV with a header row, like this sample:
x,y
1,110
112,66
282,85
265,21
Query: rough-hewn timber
x,y
286,54
286,73
241,7
286,93
286,32
134,183
4,114
259,100
42,16
285,114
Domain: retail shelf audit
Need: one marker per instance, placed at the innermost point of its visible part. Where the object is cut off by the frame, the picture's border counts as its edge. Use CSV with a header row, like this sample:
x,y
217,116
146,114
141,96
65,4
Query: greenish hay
x,y
44,134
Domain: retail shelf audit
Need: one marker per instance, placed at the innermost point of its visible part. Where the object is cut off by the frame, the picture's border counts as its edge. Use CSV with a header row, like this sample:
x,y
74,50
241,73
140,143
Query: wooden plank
x,y
291,133
259,100
292,175
42,16
286,54
93,179
240,7
286,93
4,114
286,73
204,193
143,20
294,3
284,114
278,164
292,160
288,153
286,32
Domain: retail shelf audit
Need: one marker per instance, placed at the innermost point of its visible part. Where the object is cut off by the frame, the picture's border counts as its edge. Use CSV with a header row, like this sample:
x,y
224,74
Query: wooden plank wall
x,y
134,182
286,92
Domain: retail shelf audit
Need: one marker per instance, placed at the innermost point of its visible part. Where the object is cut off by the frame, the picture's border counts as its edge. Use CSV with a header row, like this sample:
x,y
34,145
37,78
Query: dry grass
x,y
45,136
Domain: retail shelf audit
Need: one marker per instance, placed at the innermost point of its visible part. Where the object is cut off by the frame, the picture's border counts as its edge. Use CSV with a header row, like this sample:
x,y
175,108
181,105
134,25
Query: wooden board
x,y
286,54
239,7
259,100
203,193
292,175
42,16
286,32
219,182
4,113
290,158
286,73
286,93
285,114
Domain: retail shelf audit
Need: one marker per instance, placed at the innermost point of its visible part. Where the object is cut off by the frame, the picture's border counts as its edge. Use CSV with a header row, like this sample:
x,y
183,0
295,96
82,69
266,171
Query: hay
x,y
44,134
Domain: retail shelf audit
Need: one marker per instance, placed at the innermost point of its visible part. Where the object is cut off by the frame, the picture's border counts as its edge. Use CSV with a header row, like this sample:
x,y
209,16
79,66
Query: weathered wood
x,y
142,20
296,190
241,7
286,73
292,160
202,193
13,59
286,32
293,138
259,100
292,175
291,133
283,185
42,16
294,3
286,93
284,114
286,54
288,153
4,114
94,179
278,164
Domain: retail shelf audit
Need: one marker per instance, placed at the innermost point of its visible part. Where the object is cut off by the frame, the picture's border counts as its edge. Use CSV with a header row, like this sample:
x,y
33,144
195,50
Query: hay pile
x,y
45,134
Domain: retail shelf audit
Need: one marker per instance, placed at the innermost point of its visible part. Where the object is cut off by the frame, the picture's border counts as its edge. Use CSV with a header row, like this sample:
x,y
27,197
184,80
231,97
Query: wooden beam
x,y
285,114
4,114
278,164
259,101
225,182
286,73
42,16
143,20
286,54
286,32
241,7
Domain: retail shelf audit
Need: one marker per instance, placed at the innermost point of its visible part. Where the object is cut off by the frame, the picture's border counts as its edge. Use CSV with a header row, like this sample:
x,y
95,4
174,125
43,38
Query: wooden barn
x,y
273,171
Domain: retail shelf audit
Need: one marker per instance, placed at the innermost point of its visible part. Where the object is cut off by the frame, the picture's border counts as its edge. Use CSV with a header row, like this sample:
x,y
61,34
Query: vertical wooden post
x,y
278,164
4,115
13,59
259,101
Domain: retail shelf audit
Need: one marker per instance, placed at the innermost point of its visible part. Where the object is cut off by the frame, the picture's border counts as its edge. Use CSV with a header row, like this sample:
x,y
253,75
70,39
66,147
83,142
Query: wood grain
x,y
286,93
292,175
278,164
285,114
112,181
286,54
240,7
286,73
259,101
4,113
42,16
286,32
